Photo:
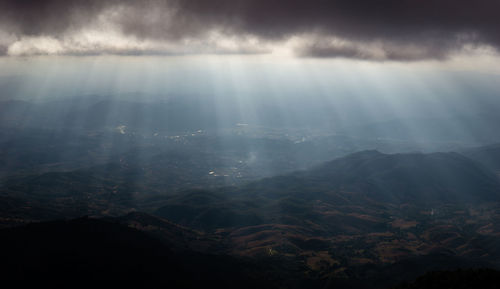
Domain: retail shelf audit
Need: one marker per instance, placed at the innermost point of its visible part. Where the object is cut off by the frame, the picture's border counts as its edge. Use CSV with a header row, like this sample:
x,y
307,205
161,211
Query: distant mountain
x,y
368,182
399,178
393,178
94,113
475,129
171,184
487,155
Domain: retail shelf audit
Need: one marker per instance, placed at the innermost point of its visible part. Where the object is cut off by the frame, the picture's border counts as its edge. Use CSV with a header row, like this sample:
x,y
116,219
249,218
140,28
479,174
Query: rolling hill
x,y
358,220
366,182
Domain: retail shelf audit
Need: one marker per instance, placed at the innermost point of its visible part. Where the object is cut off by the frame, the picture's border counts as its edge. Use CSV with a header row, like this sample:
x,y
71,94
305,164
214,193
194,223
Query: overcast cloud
x,y
402,30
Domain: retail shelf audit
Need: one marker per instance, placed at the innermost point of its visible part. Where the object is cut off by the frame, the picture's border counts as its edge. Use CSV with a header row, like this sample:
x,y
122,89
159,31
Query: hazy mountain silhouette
x,y
422,178
487,155
368,178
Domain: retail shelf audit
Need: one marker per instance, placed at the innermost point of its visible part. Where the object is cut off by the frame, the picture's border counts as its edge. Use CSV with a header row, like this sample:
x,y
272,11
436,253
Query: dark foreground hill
x,y
463,279
93,249
83,248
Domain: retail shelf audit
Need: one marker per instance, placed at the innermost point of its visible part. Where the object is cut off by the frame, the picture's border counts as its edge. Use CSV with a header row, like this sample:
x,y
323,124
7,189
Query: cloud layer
x,y
403,30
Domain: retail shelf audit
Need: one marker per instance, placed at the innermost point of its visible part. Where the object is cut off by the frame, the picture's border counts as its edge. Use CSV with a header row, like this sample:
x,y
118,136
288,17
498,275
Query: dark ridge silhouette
x,y
460,279
94,249
84,248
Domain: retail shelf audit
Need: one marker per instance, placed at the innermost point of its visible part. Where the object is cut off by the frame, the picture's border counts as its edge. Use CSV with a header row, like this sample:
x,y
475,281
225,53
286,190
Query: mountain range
x,y
357,220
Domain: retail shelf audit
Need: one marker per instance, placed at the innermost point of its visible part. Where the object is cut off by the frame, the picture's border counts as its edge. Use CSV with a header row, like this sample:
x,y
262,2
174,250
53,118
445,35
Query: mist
x,y
333,96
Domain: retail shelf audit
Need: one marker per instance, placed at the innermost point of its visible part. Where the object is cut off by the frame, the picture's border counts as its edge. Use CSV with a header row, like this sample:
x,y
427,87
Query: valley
x,y
350,221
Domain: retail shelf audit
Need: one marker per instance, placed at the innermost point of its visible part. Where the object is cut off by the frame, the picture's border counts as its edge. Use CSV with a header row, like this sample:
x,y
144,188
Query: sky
x,y
362,59
399,30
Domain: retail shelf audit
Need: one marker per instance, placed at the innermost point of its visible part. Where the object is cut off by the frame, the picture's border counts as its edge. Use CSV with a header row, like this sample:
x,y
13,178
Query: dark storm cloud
x,y
431,29
434,27
386,50
34,17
